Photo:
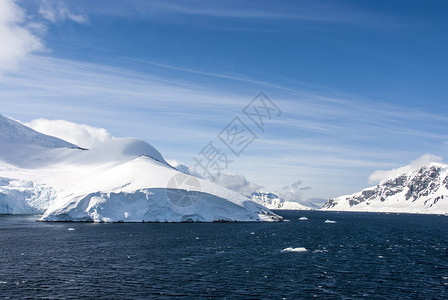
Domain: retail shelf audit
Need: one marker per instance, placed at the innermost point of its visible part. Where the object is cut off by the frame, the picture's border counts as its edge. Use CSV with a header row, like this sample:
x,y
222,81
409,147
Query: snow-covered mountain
x,y
421,191
272,201
121,180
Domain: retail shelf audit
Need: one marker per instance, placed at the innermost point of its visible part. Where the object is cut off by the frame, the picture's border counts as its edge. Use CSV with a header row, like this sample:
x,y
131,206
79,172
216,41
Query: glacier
x,y
121,180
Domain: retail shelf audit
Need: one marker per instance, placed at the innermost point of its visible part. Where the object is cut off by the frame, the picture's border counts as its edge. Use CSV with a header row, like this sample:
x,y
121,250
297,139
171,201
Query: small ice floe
x,y
303,218
252,233
71,229
320,251
290,249
330,221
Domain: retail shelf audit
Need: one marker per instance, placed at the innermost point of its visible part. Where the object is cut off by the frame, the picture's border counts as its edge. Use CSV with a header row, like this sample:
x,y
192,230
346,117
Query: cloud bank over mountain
x,y
422,161
83,135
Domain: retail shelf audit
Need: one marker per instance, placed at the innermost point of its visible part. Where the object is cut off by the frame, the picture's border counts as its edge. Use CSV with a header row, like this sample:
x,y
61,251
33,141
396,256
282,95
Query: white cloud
x,y
293,192
422,161
292,195
237,183
234,182
83,135
17,39
55,11
20,33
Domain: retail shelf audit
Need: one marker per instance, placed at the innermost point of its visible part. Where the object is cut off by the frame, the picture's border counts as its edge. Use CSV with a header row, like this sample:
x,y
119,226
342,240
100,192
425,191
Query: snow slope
x,y
421,191
24,147
122,180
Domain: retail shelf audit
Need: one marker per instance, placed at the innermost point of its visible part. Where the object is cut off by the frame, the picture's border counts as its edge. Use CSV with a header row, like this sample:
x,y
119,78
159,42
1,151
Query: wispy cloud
x,y
56,11
22,33
322,139
308,11
17,37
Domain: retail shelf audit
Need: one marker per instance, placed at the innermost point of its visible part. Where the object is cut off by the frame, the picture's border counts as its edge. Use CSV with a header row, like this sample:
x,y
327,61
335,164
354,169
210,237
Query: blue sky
x,y
362,85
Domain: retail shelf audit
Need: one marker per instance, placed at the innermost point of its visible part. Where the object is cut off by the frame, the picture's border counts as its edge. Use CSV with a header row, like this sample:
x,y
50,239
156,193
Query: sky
x,y
360,86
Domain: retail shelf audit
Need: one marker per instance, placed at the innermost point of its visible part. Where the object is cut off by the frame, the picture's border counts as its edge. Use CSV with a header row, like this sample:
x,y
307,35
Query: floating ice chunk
x,y
290,249
330,221
303,218
320,251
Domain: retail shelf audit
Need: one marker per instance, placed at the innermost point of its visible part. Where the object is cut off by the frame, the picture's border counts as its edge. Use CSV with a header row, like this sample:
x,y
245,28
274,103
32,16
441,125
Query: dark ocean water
x,y
361,256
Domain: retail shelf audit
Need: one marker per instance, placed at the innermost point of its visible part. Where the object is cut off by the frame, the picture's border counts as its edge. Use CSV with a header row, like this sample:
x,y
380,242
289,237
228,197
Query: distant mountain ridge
x,y
422,191
273,201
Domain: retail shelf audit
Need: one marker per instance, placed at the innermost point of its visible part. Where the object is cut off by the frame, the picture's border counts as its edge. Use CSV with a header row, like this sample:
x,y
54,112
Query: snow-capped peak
x,y
422,191
118,150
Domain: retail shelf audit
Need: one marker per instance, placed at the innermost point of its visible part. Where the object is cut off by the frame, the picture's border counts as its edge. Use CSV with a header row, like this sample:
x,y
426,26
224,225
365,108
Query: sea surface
x,y
362,255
